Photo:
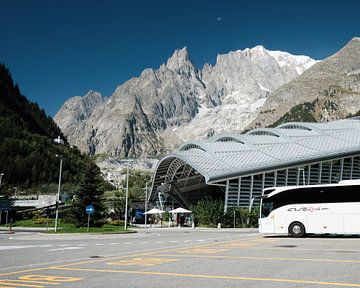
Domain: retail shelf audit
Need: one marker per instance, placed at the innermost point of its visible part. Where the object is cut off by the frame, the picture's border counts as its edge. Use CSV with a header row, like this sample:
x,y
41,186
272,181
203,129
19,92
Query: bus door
x,y
279,221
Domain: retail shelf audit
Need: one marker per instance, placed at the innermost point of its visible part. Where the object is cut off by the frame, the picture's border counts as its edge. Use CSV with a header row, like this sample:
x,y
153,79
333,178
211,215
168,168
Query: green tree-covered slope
x,y
27,150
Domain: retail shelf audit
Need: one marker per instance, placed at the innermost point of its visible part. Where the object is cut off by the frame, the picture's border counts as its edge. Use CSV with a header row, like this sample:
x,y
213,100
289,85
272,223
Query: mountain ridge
x,y
152,113
336,76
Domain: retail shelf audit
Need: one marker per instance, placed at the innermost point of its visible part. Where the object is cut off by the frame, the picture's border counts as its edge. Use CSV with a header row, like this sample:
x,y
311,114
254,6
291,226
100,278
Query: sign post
x,y
89,210
5,206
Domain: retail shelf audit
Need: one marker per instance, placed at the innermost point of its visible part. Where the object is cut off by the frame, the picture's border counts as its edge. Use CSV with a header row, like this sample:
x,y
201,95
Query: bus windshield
x,y
267,207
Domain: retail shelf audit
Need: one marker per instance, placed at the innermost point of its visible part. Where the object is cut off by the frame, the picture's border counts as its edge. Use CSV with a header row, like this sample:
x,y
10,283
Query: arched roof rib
x,y
215,147
194,145
264,149
226,137
301,126
264,131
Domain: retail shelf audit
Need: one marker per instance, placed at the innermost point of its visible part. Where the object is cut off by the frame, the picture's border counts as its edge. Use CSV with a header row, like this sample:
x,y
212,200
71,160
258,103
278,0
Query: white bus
x,y
312,209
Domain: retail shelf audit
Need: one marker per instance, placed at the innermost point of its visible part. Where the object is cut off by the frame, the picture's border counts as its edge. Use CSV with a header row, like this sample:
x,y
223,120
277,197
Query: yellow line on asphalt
x,y
261,258
154,252
30,281
22,271
304,249
215,277
5,282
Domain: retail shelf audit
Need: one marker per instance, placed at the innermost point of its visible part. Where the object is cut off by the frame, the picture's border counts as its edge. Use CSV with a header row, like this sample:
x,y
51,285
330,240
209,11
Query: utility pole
x,y
58,140
1,175
126,197
58,195
146,193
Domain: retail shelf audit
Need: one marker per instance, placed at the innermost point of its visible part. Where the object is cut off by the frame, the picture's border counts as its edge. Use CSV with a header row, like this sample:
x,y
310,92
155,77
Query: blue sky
x,y
59,49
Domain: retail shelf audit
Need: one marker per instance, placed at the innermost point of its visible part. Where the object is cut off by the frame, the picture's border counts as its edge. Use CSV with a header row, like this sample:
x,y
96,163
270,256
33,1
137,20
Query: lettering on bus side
x,y
307,209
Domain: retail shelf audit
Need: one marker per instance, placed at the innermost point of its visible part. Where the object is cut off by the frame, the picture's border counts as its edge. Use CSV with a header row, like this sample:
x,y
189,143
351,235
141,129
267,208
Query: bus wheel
x,y
297,229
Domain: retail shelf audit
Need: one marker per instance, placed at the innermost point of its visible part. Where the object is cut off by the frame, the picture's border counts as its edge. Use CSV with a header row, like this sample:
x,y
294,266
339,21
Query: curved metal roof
x,y
230,155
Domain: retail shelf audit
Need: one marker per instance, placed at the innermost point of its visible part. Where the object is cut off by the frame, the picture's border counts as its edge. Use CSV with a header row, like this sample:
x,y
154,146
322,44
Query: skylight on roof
x,y
263,132
294,126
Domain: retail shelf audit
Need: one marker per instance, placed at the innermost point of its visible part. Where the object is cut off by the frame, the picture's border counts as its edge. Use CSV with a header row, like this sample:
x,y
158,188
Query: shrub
x,y
210,212
40,220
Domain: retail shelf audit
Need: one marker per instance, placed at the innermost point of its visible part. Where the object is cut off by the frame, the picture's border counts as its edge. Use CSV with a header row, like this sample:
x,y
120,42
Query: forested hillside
x,y
27,150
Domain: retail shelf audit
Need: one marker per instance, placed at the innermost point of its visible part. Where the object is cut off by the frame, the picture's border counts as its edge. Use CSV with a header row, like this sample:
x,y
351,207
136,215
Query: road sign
x,y
4,204
90,209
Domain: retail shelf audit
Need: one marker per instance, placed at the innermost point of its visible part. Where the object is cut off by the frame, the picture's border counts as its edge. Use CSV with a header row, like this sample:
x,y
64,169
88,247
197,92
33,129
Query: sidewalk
x,y
6,230
139,228
154,228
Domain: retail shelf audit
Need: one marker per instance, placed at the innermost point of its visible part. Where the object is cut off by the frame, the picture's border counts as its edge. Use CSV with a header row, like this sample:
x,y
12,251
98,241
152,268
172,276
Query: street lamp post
x,y
1,175
126,197
146,193
58,195
15,190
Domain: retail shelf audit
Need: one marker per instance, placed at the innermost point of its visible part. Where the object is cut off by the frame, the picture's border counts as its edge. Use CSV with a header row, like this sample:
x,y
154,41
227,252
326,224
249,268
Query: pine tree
x,y
90,192
27,150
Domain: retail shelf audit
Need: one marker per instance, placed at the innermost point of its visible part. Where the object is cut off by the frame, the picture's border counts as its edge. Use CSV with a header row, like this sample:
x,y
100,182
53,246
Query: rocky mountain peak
x,y
258,50
92,94
354,40
162,108
77,110
179,59
348,54
330,87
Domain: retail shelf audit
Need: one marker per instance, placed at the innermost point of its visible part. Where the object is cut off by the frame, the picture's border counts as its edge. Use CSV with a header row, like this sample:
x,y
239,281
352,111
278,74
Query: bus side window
x,y
351,194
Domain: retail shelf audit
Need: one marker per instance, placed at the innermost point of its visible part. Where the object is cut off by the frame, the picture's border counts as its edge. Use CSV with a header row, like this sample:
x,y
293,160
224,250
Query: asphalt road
x,y
178,258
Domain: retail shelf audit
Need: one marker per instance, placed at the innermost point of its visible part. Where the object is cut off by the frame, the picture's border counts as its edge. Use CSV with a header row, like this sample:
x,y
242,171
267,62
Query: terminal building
x,y
237,167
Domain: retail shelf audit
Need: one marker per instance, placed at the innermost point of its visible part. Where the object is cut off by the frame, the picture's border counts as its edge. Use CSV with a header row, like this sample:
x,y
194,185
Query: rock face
x,y
327,91
74,113
150,114
237,86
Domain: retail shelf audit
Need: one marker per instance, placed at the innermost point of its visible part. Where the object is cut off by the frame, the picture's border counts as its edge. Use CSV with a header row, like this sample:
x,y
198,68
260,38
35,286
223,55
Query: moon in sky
x,y
219,19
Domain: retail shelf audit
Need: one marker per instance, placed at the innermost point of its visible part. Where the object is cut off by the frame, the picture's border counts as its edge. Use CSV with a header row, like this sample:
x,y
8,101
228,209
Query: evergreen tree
x,y
27,150
117,202
208,211
90,192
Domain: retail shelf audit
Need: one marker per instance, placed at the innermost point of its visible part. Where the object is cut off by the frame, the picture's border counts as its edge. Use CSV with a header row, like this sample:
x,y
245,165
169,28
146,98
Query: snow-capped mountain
x,y
158,110
236,87
327,91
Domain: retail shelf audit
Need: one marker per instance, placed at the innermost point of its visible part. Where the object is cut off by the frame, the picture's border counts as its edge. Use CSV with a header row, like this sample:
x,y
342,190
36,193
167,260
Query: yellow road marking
x,y
30,280
215,277
238,245
263,258
142,254
119,257
7,282
143,262
48,279
203,250
304,249
245,244
23,271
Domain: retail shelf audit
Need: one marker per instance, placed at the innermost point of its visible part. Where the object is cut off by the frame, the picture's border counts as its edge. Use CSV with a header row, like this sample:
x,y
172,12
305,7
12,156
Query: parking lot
x,y
180,258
